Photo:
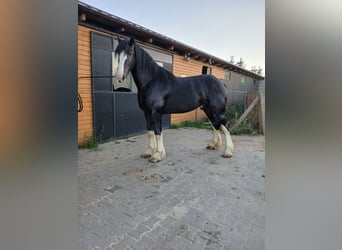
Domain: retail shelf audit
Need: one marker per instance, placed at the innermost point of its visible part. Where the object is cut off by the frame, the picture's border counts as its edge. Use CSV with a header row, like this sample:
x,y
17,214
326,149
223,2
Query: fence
x,y
255,115
237,97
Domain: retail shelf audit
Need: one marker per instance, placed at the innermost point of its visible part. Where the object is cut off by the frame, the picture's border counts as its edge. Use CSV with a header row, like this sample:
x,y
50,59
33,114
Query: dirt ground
x,y
194,199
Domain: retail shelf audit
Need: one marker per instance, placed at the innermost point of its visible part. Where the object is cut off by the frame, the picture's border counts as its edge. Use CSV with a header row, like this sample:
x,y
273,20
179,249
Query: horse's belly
x,y
180,105
173,110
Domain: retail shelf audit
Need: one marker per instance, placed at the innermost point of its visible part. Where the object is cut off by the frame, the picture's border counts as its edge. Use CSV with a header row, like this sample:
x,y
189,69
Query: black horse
x,y
160,92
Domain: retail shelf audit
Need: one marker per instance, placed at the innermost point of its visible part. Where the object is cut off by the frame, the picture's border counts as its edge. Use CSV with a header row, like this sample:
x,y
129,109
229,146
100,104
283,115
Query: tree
x,y
259,71
241,63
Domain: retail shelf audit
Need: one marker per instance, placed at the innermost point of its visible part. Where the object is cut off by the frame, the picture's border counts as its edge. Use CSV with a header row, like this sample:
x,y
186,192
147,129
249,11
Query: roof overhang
x,y
91,16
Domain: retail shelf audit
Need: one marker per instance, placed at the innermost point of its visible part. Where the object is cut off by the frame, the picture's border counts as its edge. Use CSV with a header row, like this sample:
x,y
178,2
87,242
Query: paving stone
x,y
138,231
157,233
151,221
167,221
194,199
145,243
163,212
125,242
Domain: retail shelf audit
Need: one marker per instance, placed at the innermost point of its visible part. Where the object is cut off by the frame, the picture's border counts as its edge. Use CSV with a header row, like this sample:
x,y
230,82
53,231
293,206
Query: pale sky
x,y
222,28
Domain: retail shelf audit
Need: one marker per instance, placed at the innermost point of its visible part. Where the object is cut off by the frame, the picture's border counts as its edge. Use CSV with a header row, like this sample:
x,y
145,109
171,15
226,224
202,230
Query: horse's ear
x,y
131,41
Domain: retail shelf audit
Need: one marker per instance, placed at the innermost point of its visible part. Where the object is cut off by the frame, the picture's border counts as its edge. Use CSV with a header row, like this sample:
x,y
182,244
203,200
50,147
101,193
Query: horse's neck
x,y
142,74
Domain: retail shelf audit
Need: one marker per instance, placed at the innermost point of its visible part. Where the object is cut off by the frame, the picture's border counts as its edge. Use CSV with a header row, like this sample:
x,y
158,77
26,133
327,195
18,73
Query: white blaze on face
x,y
121,66
115,62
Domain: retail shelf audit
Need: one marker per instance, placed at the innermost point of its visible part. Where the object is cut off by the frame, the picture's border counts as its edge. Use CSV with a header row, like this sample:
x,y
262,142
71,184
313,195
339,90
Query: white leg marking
x,y
216,142
151,145
160,151
229,149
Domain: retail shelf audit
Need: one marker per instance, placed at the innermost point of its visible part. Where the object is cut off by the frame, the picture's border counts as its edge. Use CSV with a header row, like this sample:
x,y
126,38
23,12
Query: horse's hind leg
x,y
151,137
159,153
218,121
151,145
229,147
216,142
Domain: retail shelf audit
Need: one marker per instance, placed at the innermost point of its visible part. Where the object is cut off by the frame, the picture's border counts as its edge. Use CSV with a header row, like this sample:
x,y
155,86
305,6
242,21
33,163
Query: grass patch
x,y
245,127
92,142
203,123
89,143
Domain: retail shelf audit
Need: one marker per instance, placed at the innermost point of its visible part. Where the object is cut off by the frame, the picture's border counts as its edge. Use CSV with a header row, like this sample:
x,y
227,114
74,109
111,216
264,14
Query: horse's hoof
x,y
154,160
211,147
157,157
228,155
143,155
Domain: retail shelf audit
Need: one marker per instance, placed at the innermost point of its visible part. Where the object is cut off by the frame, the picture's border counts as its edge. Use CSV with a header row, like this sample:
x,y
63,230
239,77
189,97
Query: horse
x,y
160,92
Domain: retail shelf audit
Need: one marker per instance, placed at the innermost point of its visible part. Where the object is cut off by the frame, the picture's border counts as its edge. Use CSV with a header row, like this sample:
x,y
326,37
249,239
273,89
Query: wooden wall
x,y
85,118
191,68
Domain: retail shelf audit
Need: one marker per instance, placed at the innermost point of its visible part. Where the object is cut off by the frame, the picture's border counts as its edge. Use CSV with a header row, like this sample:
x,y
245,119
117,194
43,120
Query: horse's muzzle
x,y
120,79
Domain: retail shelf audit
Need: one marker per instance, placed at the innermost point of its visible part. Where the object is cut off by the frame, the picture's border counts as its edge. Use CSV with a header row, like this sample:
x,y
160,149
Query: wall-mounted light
x,y
187,57
82,17
120,30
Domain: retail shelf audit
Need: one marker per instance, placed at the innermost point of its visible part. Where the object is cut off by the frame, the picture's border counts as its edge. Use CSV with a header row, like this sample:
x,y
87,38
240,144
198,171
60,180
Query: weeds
x,y
233,114
245,127
91,142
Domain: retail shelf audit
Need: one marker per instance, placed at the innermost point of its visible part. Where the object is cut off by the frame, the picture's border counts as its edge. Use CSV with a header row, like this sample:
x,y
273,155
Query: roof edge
x,y
108,20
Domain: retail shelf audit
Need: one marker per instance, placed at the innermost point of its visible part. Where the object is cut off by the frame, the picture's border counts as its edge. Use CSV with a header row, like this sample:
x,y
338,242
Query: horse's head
x,y
125,54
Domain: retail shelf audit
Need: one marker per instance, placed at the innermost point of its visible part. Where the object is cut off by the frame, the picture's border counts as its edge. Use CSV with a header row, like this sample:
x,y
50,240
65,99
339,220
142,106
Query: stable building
x,y
110,109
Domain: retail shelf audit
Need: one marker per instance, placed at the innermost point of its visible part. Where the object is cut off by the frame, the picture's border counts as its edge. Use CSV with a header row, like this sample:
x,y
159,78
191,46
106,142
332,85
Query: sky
x,y
223,28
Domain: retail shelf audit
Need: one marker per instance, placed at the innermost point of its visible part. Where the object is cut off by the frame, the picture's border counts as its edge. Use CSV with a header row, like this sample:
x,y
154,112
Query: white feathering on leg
x,y
160,151
229,149
151,145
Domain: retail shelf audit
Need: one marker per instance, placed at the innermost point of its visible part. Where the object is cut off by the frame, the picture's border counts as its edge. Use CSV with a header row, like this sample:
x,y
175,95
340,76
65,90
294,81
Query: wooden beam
x,y
244,115
262,120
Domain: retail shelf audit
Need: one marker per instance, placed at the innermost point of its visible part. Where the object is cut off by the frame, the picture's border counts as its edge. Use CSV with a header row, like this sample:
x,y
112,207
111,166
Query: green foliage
x,y
204,124
233,114
89,143
245,127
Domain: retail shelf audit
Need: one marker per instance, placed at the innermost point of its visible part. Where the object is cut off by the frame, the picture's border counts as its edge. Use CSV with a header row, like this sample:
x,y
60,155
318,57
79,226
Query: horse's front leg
x,y
152,145
160,153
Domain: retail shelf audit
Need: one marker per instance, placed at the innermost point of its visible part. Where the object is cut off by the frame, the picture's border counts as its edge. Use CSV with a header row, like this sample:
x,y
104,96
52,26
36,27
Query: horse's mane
x,y
146,61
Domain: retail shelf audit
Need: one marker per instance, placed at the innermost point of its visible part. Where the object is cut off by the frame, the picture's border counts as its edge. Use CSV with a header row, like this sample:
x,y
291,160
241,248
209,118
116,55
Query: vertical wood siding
x,y
85,118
